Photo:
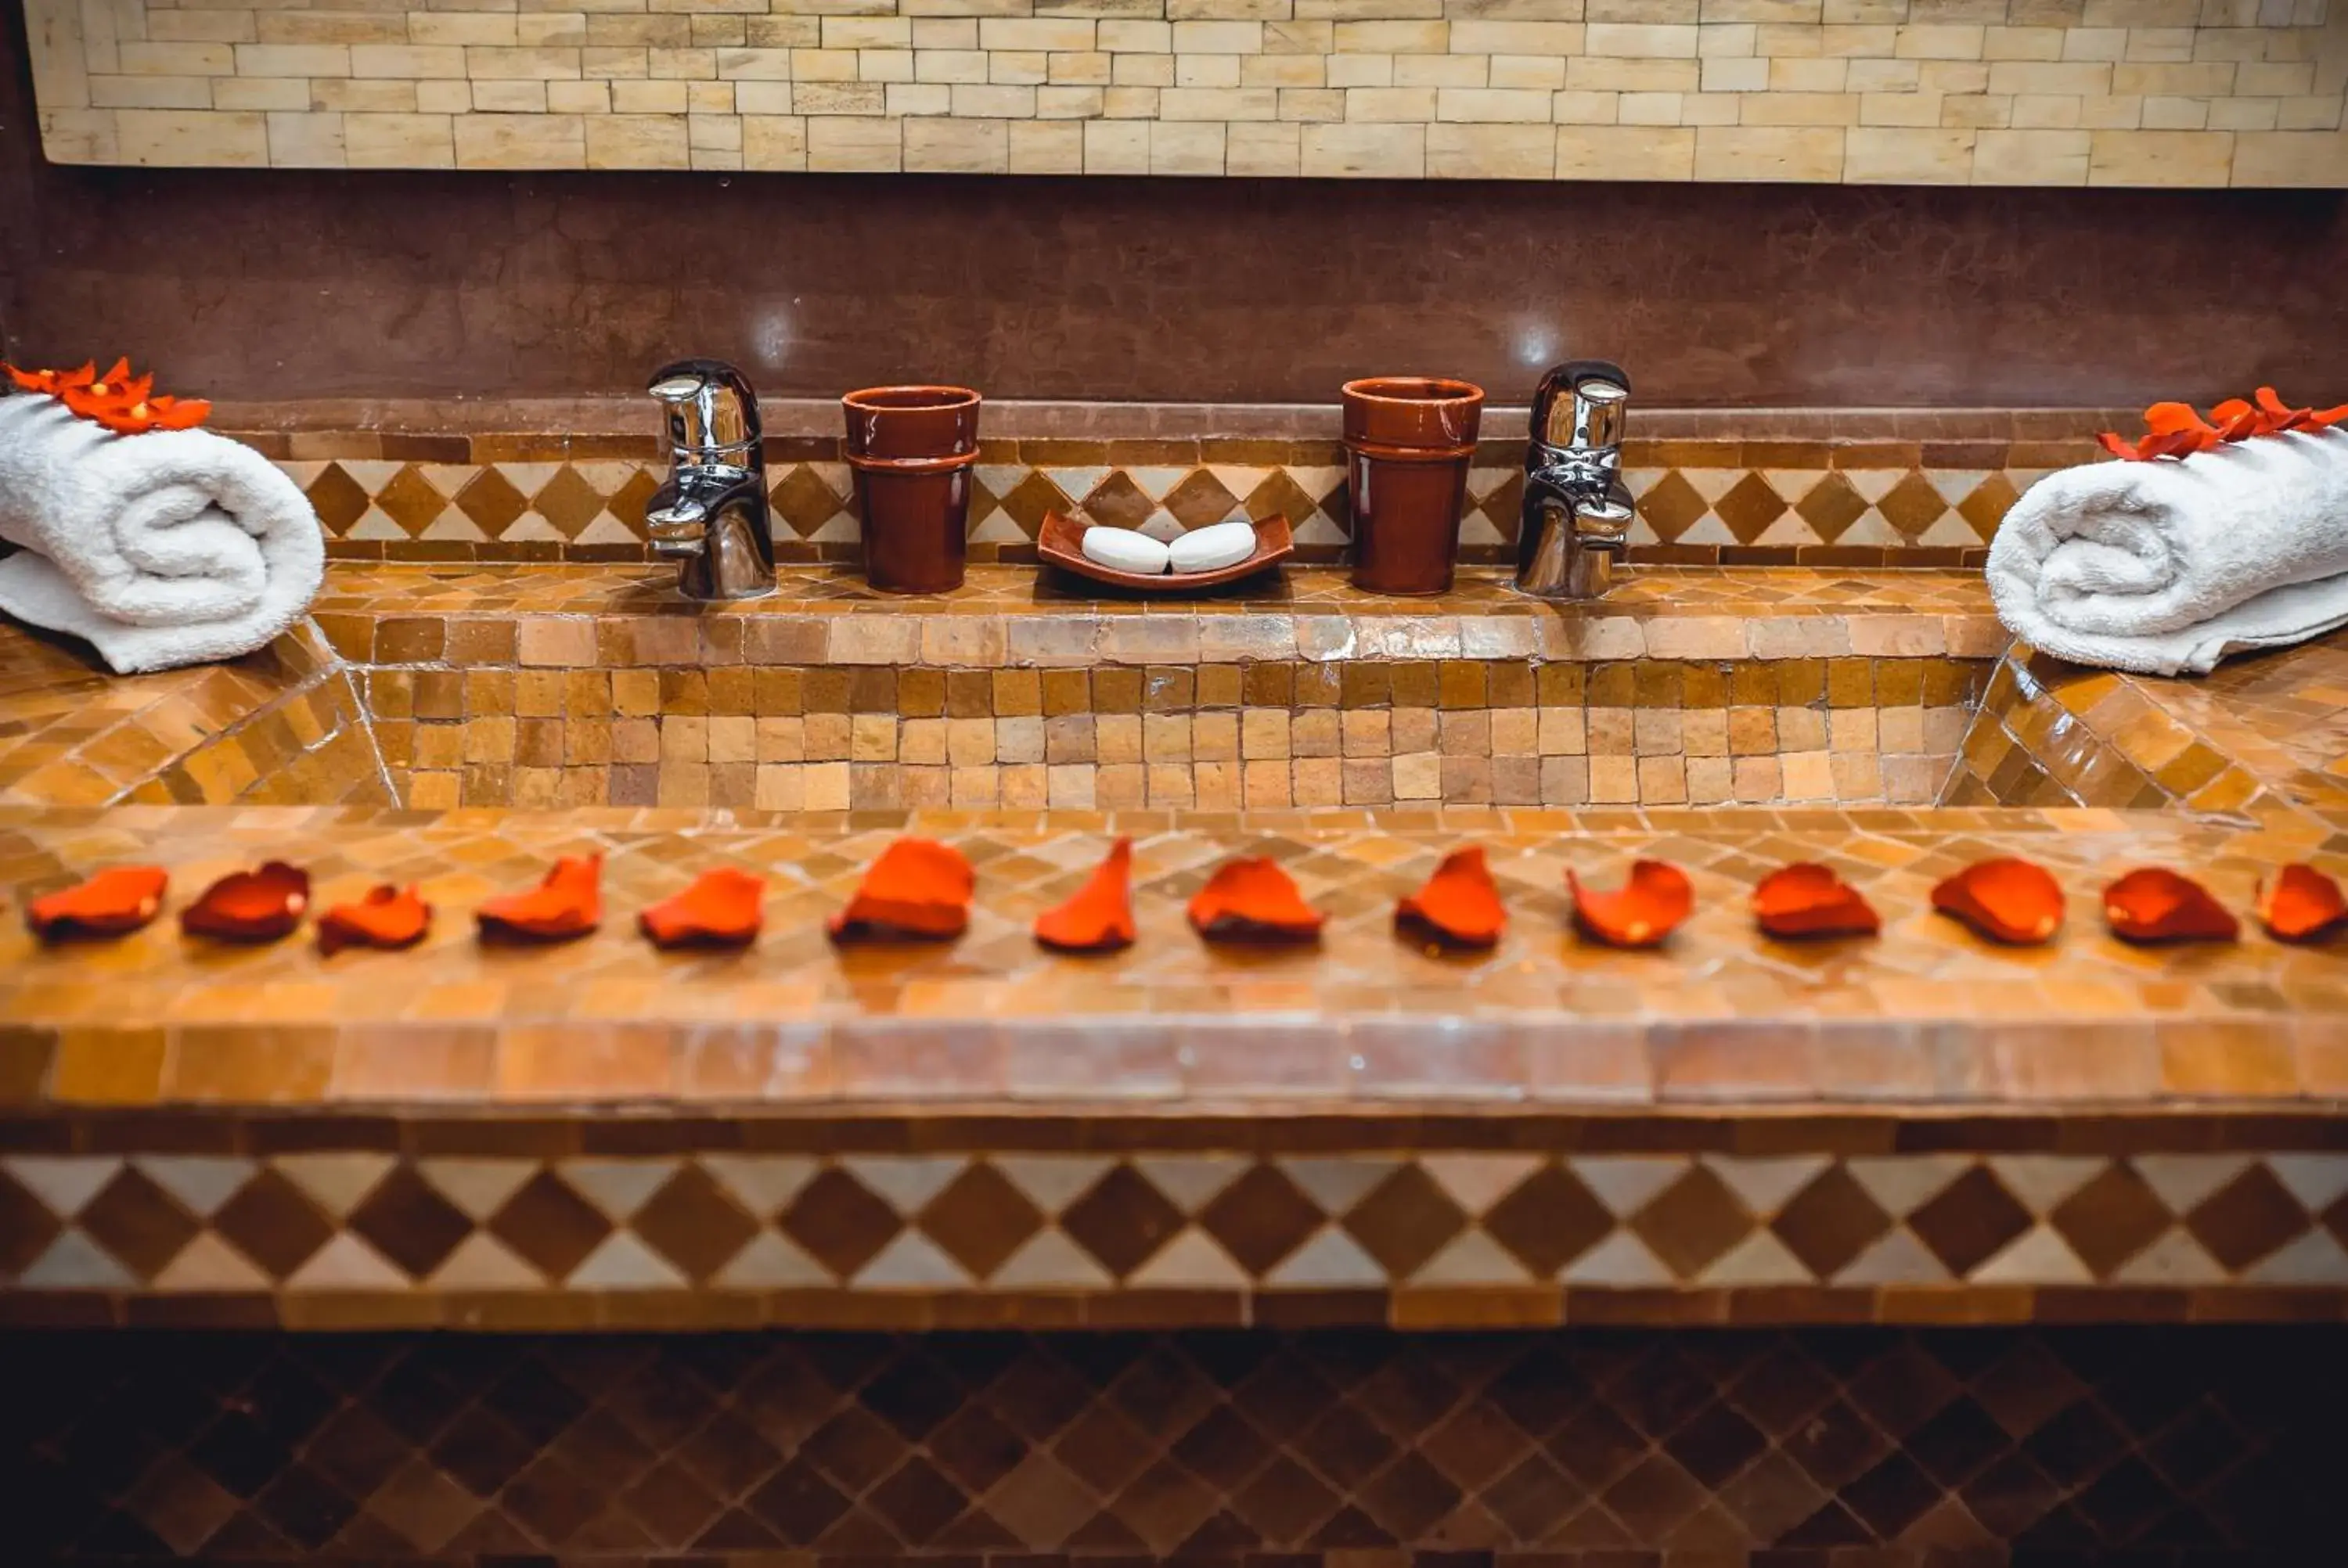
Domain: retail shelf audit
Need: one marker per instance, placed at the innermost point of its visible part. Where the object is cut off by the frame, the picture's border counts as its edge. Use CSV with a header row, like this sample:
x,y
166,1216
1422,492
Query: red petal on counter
x,y
251,906
1641,913
917,887
2300,904
109,904
2157,904
1253,901
1806,899
384,917
1100,918
1459,904
568,903
2006,900
719,910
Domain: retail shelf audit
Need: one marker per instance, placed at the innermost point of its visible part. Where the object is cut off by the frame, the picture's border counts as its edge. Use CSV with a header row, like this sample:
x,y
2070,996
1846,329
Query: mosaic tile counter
x,y
1920,1128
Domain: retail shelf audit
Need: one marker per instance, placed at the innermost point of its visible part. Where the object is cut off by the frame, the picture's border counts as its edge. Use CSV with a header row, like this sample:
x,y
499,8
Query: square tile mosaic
x,y
2098,1448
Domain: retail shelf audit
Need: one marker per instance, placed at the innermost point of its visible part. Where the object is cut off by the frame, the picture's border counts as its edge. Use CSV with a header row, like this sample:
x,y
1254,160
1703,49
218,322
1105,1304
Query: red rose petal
x,y
2298,904
1459,904
2006,900
1253,900
568,902
721,909
1641,913
384,917
916,887
1099,918
1810,900
2158,904
251,906
113,902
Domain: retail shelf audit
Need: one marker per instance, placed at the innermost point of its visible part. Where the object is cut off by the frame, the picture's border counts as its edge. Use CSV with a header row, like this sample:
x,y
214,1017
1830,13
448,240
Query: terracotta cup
x,y
1409,439
911,448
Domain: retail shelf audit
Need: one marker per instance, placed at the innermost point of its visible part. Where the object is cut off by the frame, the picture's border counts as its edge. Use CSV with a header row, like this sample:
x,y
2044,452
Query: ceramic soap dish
x,y
1061,541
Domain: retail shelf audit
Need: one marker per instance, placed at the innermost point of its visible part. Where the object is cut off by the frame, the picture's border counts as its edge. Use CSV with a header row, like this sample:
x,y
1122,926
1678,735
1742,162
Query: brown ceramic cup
x,y
1409,440
910,449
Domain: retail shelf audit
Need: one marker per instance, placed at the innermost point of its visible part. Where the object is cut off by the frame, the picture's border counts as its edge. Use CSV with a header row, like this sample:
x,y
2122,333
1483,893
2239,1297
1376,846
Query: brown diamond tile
x,y
628,502
1405,1220
1118,502
1505,506
1122,1220
980,1219
551,1226
1987,505
1672,505
1030,498
801,499
1830,1222
337,498
2111,1219
1262,1218
273,1223
1912,505
569,502
1692,1222
139,1223
694,1223
491,500
2246,1219
1970,1221
407,1221
27,1227
1549,1220
410,501
1749,507
1831,505
1280,495
840,1222
1199,500
1338,507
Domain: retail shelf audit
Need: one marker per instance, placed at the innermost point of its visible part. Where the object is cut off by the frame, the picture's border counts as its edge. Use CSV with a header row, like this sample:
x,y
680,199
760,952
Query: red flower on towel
x,y
2176,430
125,404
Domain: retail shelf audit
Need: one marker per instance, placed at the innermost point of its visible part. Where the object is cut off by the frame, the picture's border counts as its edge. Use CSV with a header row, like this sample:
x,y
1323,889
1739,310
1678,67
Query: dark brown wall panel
x,y
270,284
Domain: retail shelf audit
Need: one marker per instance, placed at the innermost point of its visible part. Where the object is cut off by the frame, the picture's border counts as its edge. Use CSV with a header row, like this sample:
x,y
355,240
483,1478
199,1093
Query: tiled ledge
x,y
1010,616
1926,1015
1918,1129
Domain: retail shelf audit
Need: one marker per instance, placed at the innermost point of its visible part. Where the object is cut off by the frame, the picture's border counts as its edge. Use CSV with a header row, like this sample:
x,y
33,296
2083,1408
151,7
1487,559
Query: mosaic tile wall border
x,y
452,498
1411,1238
1986,1449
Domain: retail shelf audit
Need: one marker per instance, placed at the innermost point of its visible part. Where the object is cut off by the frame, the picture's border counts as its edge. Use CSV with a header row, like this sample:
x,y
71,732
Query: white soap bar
x,y
1207,549
1126,550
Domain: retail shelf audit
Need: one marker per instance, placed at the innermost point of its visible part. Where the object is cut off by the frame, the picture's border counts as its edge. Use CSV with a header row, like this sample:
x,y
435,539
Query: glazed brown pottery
x,y
1409,440
911,448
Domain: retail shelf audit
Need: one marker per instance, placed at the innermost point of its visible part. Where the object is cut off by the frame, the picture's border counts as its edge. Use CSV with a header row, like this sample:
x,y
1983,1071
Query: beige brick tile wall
x,y
1985,92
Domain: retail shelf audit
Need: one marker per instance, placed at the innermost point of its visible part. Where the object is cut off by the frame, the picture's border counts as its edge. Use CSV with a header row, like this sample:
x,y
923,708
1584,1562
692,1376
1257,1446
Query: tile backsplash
x,y
2243,93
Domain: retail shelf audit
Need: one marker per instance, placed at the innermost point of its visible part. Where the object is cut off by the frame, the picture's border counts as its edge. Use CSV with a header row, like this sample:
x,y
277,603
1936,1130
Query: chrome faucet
x,y
1577,515
710,511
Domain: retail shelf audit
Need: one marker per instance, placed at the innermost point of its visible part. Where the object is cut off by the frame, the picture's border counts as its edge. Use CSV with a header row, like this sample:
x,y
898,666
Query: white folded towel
x,y
176,546
2168,566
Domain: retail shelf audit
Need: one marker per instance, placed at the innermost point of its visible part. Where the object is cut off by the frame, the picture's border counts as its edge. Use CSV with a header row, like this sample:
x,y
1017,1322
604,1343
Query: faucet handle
x,y
1582,404
712,411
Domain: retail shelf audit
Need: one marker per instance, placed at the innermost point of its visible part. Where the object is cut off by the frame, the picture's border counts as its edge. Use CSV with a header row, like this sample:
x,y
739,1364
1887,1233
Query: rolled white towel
x,y
176,546
2166,567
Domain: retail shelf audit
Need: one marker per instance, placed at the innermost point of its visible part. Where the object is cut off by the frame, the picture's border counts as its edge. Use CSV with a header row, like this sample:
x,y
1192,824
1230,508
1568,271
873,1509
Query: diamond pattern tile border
x,y
1212,1236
